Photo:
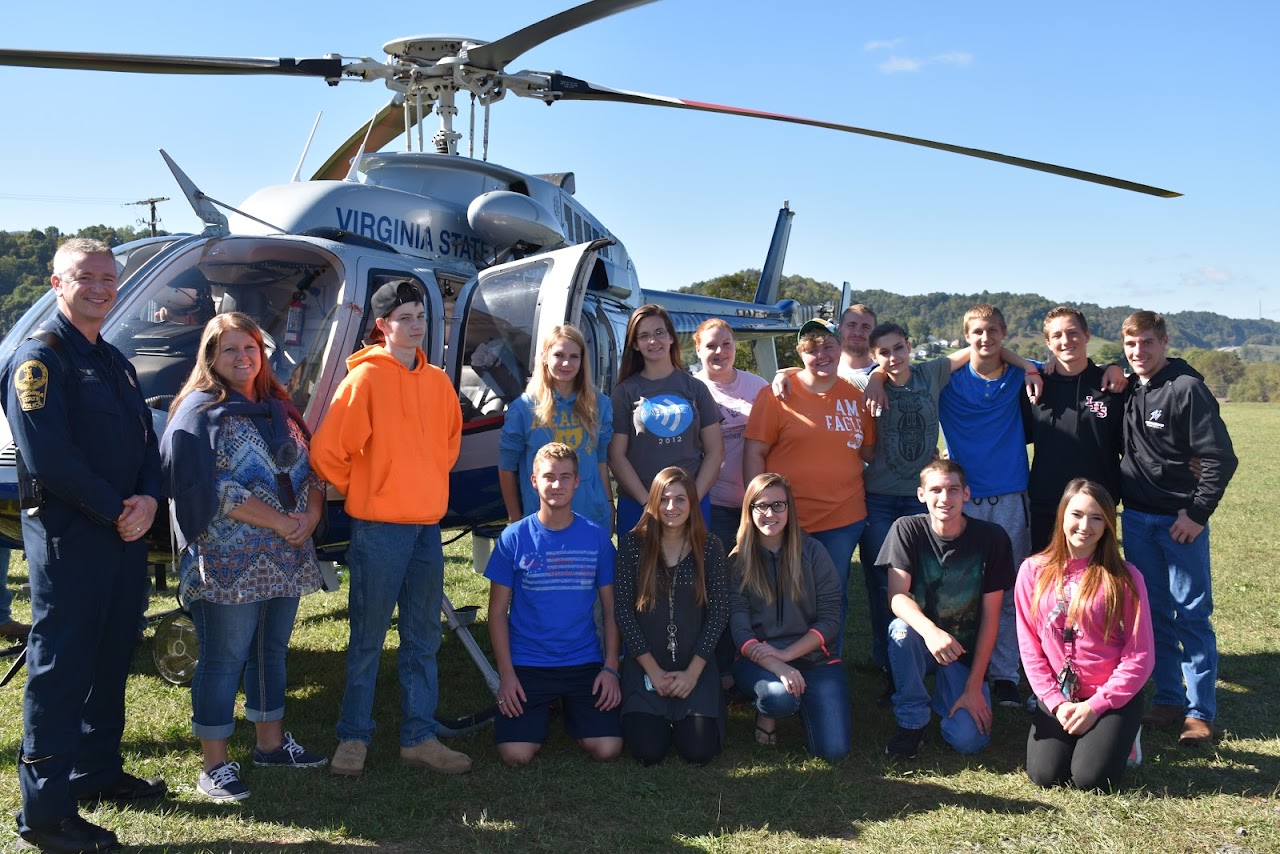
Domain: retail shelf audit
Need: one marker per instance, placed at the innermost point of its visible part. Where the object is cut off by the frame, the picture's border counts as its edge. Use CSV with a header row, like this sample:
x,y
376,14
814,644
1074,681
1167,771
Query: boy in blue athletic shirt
x,y
982,424
546,573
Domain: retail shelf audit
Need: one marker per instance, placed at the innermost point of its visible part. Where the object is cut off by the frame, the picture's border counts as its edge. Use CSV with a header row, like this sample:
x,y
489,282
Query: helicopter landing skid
x,y
176,650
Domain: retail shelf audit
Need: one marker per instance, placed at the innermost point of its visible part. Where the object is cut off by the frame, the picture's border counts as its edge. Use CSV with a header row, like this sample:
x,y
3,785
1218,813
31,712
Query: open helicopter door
x,y
500,317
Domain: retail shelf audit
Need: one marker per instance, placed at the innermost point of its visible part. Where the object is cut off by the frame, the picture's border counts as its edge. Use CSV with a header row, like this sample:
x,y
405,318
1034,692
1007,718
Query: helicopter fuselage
x,y
502,257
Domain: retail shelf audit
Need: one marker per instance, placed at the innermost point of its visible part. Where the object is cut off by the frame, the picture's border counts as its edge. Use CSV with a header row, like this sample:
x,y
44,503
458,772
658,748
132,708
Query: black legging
x,y
648,737
1095,760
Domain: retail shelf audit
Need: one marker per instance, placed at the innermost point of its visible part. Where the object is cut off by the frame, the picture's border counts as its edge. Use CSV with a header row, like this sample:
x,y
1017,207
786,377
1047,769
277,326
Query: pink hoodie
x,y
1112,670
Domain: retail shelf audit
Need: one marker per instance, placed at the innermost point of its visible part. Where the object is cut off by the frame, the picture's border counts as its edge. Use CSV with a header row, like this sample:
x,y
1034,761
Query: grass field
x,y
752,798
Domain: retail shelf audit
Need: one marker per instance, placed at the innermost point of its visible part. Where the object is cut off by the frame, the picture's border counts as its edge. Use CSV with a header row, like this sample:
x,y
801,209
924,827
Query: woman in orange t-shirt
x,y
819,439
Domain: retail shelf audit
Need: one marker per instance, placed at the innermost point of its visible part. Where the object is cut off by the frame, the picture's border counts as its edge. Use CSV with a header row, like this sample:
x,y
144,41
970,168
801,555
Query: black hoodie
x,y
1167,421
1077,431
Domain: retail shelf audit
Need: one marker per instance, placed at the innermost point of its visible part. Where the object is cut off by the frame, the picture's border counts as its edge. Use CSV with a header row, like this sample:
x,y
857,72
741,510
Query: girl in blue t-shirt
x,y
560,404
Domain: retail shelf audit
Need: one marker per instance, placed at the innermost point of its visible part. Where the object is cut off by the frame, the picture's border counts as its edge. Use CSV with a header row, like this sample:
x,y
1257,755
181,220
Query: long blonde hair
x,y
749,552
648,533
542,386
204,378
1106,573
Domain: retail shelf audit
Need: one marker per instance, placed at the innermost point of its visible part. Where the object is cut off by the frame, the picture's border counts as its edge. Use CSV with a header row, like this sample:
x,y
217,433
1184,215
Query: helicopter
x,y
502,255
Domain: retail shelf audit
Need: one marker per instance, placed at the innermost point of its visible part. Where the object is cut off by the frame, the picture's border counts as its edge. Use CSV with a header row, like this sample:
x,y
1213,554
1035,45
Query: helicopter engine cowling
x,y
506,219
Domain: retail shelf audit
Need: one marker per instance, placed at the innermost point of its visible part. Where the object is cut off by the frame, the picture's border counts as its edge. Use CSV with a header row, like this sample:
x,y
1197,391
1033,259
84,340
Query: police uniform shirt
x,y
81,425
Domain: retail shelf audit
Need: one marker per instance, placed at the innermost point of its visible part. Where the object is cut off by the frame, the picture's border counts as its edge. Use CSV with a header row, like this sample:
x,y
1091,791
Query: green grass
x,y
752,798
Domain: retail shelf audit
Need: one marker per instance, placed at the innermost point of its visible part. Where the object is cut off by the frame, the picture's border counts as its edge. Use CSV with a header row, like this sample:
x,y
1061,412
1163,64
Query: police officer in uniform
x,y
90,470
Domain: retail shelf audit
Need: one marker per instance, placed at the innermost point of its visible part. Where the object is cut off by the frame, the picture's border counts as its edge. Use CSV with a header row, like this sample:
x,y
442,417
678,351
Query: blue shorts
x,y
544,685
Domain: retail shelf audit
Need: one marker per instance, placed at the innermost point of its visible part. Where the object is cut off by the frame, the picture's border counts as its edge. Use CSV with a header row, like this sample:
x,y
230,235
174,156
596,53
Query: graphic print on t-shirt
x,y
951,594
663,415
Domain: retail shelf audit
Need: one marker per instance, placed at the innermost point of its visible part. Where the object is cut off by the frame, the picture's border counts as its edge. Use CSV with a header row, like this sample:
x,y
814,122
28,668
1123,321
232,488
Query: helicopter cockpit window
x,y
496,340
289,288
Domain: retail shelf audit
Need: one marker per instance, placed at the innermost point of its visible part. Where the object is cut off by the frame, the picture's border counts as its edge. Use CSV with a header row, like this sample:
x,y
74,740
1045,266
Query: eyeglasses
x,y
646,337
775,506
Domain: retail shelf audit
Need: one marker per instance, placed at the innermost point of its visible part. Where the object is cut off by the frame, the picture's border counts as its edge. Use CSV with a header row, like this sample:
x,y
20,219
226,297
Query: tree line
x,y
26,258
1194,335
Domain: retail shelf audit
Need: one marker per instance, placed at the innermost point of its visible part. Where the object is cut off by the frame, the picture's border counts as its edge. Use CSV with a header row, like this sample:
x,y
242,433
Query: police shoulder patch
x,y
31,382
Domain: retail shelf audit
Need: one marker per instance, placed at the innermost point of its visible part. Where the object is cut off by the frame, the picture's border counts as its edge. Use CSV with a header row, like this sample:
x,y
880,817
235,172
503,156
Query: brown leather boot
x,y
1196,733
1163,716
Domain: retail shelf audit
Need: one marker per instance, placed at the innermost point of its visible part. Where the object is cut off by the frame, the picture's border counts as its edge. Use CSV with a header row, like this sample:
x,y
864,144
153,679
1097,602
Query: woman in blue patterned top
x,y
245,503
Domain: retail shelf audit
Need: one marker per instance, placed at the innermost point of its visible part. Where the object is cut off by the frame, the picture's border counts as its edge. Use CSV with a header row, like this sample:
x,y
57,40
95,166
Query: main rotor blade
x,y
155,64
495,55
388,123
573,89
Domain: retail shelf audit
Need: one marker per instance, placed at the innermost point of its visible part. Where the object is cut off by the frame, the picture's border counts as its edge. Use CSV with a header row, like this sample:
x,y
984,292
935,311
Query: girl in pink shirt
x,y
1084,630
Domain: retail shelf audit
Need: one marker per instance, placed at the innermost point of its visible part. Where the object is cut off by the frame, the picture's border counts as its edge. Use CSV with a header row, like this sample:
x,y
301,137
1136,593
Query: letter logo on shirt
x,y
31,382
665,415
1153,419
1097,407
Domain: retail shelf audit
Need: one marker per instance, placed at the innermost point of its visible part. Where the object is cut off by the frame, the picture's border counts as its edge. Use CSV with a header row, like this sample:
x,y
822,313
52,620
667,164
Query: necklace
x,y
671,615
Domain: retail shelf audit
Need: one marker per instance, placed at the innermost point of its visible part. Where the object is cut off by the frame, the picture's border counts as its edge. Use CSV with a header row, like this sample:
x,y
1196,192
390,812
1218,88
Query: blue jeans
x,y
823,707
6,598
393,564
911,662
724,524
1180,590
882,512
252,638
840,543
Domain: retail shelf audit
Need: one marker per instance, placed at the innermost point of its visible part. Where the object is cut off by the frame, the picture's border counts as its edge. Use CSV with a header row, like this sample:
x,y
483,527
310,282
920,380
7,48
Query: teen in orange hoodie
x,y
390,437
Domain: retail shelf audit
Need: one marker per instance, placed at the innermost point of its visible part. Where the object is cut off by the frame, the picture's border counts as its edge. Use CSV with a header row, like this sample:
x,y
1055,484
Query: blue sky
x,y
1181,95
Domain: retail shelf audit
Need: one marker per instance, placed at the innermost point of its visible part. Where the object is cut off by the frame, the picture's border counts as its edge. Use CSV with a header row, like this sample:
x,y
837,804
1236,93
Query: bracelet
x,y
607,669
1032,371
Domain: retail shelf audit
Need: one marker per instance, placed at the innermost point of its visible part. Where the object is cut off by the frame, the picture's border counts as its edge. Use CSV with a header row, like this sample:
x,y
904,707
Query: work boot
x,y
1196,733
348,759
14,630
434,755
1163,716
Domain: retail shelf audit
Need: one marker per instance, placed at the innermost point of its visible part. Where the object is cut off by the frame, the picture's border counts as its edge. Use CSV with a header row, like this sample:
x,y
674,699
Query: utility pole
x,y
152,202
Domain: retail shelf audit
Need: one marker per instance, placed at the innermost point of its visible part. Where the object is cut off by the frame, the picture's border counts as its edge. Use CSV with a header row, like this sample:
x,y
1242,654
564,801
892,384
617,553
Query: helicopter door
x,y
505,310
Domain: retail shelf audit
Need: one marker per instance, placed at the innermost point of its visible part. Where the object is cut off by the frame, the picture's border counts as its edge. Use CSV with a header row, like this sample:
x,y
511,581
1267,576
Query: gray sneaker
x,y
222,783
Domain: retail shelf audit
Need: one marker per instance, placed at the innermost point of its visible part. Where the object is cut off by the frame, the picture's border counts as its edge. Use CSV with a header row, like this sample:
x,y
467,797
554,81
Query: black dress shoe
x,y
72,835
126,789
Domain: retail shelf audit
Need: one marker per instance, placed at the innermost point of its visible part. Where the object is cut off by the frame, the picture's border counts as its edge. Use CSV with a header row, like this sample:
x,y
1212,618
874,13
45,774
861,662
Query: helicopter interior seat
x,y
477,398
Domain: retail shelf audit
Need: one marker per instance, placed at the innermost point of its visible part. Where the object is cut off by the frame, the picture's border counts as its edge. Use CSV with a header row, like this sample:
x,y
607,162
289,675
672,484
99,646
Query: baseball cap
x,y
817,325
394,294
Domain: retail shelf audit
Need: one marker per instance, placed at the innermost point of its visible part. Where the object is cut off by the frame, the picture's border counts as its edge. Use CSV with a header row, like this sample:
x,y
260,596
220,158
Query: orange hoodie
x,y
390,438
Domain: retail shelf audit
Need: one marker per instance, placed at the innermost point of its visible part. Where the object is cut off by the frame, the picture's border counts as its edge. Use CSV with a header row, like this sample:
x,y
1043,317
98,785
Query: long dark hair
x,y
1106,572
648,532
632,360
204,378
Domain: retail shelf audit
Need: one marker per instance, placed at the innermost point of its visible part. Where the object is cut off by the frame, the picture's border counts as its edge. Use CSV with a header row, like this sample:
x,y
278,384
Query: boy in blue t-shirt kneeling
x,y
546,573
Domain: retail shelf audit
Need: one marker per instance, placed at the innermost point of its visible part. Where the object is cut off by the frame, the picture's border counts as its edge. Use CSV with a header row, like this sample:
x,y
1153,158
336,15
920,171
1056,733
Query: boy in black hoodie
x,y
1075,425
1171,417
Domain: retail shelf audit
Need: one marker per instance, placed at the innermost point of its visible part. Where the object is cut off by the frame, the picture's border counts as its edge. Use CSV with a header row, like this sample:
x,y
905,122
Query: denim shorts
x,y
543,685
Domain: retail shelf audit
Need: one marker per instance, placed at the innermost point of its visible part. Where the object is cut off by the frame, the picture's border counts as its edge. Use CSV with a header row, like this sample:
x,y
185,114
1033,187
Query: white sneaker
x,y
1135,752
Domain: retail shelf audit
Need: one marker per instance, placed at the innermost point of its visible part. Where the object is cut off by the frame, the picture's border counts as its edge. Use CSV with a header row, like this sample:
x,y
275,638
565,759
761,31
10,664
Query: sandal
x,y
766,737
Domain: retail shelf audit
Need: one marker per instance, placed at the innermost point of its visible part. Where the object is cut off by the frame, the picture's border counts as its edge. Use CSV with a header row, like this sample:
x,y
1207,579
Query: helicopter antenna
x,y
355,161
214,220
298,172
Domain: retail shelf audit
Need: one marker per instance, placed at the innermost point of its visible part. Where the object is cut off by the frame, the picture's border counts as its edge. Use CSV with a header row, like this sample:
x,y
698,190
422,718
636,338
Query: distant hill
x,y
940,314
